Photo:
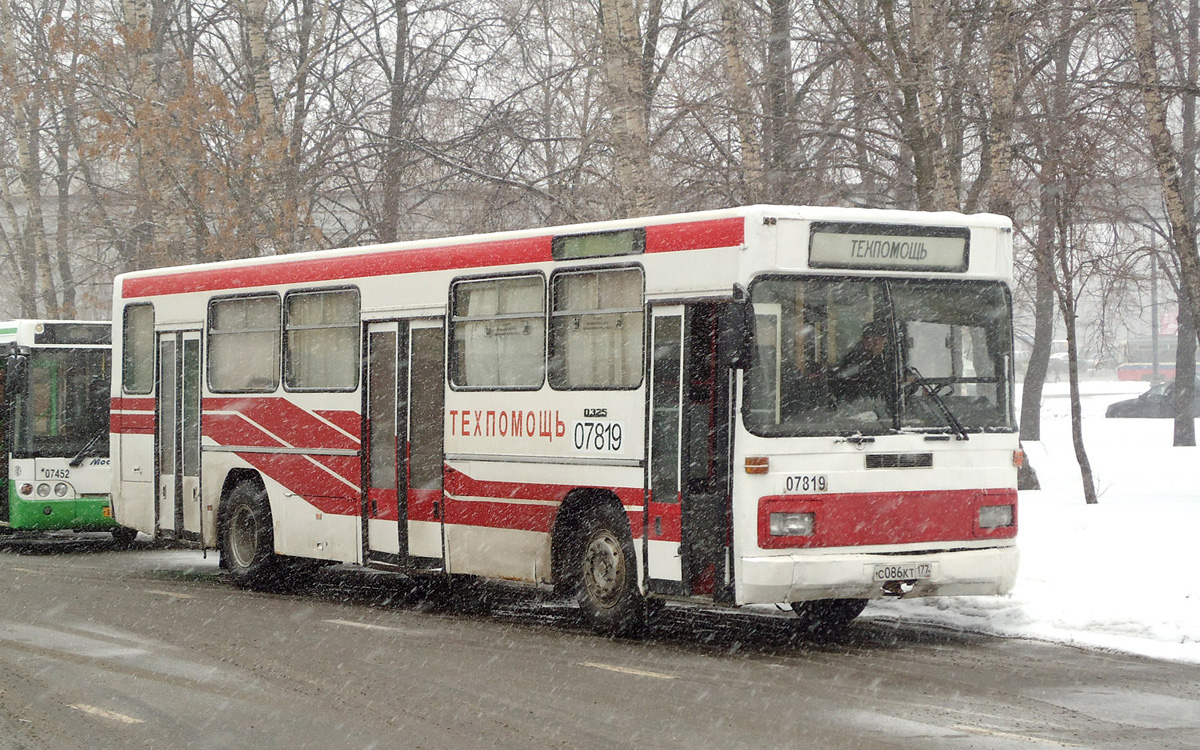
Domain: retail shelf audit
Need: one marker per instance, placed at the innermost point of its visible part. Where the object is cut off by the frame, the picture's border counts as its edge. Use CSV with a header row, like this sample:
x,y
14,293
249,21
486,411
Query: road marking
x,y
172,594
104,714
1013,736
365,625
24,570
626,670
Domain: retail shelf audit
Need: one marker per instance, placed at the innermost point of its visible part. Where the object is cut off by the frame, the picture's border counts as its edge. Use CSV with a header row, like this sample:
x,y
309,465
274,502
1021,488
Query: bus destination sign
x,y
884,247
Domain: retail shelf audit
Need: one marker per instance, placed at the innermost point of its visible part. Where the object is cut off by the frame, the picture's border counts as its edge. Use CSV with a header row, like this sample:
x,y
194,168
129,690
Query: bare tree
x,y
621,43
1179,214
743,105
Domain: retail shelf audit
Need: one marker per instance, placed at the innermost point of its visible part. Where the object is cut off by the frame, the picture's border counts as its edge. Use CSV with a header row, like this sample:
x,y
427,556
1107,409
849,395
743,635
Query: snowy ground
x,y
1123,574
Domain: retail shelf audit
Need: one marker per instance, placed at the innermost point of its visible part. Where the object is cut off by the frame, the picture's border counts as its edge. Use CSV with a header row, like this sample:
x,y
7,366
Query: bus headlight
x,y
793,524
43,490
61,489
995,516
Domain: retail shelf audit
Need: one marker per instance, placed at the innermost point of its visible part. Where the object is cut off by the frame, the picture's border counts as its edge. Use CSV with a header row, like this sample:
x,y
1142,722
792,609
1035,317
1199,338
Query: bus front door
x,y
687,519
402,502
178,514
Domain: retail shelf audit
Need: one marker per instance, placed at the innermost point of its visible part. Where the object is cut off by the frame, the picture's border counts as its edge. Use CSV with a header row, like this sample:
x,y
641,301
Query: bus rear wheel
x,y
606,576
247,539
828,617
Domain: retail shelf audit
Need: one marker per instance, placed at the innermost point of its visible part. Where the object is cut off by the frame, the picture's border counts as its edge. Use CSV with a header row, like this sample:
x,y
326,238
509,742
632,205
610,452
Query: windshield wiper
x,y
856,438
952,422
78,459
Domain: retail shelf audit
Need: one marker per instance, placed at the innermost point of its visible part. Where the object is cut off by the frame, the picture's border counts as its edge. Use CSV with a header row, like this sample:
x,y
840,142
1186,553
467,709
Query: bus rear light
x,y
61,489
1018,458
793,524
995,516
43,490
758,465
27,489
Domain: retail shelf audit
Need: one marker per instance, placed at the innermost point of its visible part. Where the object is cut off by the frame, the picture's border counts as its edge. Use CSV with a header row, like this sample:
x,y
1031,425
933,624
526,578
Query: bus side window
x,y
596,329
243,344
137,349
321,335
498,333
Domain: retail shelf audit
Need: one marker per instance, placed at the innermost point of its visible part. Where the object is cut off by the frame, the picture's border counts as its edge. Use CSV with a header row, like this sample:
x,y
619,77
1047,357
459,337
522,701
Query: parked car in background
x,y
1159,401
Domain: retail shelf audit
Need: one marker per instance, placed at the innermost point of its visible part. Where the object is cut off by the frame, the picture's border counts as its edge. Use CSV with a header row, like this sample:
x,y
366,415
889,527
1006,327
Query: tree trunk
x,y
1043,320
1067,304
1003,101
1183,232
945,196
743,104
1185,337
24,108
1085,465
269,132
393,159
1185,377
776,143
626,89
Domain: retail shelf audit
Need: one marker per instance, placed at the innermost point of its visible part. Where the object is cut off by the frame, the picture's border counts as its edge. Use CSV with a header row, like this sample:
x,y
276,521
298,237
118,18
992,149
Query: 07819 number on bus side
x,y
598,436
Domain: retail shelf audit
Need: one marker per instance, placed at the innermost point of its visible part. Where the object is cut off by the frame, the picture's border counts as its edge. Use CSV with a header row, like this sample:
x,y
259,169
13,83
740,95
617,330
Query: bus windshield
x,y
62,408
871,356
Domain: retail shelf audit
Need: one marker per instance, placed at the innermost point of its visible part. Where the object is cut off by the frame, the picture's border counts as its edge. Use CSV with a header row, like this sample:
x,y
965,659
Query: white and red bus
x,y
667,408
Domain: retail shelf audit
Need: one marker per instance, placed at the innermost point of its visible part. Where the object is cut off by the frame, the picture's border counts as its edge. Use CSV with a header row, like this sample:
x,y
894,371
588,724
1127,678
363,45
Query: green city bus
x,y
54,382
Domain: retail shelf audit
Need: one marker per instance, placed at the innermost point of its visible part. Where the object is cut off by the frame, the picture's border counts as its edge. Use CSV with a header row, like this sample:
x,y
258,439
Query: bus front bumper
x,y
805,577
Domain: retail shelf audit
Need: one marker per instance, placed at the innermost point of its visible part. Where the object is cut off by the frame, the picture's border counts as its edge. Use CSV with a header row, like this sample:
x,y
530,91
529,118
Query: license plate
x,y
903,571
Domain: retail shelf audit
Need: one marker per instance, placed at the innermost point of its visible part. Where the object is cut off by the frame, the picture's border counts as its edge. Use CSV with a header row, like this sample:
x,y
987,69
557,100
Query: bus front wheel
x,y
248,540
606,575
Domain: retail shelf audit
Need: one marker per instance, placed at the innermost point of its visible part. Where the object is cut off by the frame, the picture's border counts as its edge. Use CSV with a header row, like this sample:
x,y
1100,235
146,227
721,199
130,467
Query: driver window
x,y
814,369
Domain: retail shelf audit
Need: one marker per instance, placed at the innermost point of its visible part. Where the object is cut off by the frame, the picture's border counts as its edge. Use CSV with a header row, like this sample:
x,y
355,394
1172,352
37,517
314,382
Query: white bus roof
x,y
804,213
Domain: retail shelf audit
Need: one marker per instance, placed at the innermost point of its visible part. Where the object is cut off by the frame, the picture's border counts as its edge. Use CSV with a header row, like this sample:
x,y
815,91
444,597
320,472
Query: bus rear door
x,y
403,457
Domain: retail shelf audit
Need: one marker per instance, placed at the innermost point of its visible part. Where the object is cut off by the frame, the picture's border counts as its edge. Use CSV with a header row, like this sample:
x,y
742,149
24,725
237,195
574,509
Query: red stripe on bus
x,y
131,416
498,514
458,483
490,506
279,417
349,421
384,504
366,264
232,431
423,504
666,521
867,518
128,403
300,476
662,238
695,235
132,424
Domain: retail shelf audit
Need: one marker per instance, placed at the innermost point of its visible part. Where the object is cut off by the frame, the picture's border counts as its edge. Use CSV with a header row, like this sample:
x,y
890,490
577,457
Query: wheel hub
x,y
604,569
243,537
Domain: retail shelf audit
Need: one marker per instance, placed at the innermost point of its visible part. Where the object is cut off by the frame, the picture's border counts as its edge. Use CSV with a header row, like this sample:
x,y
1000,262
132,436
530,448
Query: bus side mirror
x,y
736,339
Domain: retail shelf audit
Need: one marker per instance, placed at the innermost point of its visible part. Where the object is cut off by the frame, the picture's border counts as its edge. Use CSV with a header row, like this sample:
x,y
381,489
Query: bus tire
x,y
828,617
247,538
605,568
124,537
